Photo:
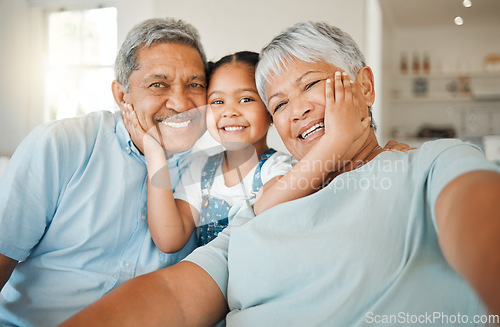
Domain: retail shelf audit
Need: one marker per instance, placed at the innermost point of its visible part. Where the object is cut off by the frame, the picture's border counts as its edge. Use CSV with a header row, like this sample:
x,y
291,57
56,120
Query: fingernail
x,y
344,73
337,73
352,82
328,80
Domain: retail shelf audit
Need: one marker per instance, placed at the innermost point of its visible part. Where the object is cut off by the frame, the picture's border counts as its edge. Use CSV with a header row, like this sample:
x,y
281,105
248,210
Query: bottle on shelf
x,y
403,64
416,63
426,65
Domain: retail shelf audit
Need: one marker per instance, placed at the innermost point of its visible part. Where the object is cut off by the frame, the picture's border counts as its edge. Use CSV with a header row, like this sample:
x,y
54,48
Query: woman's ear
x,y
365,79
119,93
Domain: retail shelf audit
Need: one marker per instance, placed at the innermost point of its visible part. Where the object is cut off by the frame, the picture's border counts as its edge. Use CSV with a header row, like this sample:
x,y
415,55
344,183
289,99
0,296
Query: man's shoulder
x,y
87,122
81,127
72,135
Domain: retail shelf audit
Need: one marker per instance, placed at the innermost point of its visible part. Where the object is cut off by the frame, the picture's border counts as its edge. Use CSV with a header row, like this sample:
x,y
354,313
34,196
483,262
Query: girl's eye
x,y
217,102
243,100
308,86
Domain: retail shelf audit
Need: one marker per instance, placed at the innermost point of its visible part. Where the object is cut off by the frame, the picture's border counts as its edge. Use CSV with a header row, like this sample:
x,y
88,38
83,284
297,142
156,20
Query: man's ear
x,y
365,79
119,93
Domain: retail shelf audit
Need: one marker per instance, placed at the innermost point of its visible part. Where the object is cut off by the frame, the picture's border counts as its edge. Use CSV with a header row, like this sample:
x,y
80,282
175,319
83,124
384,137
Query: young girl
x,y
239,120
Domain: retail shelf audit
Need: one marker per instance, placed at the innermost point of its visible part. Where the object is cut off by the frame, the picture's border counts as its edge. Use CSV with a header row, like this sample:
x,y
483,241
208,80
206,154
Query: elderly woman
x,y
394,238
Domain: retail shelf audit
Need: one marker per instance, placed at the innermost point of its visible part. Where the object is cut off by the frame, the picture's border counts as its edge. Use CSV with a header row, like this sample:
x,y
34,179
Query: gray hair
x,y
155,30
309,42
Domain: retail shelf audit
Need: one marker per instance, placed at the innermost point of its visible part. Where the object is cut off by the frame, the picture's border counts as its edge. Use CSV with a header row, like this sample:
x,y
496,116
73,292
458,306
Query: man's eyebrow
x,y
156,77
199,77
166,77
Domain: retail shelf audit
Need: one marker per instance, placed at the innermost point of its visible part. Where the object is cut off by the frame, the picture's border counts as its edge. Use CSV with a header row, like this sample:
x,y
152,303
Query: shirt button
x,y
143,217
127,264
127,149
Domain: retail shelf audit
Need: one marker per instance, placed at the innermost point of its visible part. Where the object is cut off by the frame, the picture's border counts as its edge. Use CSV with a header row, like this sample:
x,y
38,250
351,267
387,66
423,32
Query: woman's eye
x,y
279,106
243,100
308,86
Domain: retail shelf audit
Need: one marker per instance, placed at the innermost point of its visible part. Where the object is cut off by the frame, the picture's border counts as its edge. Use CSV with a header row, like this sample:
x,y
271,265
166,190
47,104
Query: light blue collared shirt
x,y
73,213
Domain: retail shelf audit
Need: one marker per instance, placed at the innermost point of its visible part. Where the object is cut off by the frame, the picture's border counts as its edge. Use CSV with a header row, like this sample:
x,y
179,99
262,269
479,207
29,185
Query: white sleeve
x,y
277,165
189,187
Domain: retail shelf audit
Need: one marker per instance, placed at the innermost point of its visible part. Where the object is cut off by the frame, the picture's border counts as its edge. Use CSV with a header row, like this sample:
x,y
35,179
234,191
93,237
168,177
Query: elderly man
x,y
391,238
73,221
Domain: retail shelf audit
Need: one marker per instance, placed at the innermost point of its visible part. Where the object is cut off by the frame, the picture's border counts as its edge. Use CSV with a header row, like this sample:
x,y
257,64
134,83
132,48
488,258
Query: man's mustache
x,y
173,115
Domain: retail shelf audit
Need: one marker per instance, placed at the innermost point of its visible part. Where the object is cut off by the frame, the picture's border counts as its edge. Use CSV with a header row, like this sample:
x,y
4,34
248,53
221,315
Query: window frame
x,y
45,8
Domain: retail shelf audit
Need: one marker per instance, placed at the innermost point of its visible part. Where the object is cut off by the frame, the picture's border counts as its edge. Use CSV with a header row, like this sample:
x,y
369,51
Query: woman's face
x,y
297,103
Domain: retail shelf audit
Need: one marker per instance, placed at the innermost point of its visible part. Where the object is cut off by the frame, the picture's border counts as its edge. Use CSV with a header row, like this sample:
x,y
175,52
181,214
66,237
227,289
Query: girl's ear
x,y
365,79
118,93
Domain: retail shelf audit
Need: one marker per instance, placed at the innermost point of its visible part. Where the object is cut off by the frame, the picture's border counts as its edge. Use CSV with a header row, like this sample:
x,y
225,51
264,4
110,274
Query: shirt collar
x,y
123,136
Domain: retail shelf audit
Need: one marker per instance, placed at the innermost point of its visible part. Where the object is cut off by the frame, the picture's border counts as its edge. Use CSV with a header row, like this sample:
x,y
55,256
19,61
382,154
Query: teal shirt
x,y
361,251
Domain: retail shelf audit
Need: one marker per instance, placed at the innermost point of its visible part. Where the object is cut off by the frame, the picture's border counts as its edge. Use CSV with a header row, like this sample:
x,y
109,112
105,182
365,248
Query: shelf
x,y
428,99
449,87
447,75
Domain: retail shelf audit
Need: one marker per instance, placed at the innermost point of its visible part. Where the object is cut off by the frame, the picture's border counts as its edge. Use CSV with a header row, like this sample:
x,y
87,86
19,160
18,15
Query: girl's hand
x,y
343,121
145,141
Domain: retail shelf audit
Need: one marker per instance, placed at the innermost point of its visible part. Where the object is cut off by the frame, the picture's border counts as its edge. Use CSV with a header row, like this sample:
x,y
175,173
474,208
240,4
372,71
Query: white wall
x,y
228,26
225,26
373,55
16,78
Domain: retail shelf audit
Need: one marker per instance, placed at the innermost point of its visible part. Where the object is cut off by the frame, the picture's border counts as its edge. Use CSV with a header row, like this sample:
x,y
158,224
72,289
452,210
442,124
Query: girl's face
x,y
236,115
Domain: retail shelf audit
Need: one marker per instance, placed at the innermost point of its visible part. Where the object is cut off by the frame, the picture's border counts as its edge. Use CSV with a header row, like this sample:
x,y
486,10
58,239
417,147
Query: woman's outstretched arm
x,y
468,219
180,295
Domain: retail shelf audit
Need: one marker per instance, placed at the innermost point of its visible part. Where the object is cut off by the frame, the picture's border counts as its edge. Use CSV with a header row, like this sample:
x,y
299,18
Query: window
x,y
81,51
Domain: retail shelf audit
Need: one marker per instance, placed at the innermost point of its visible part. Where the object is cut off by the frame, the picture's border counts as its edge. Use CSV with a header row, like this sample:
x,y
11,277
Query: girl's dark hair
x,y
245,57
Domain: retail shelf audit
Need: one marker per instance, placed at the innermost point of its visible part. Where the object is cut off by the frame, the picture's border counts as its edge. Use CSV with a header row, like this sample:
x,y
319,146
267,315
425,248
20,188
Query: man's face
x,y
169,90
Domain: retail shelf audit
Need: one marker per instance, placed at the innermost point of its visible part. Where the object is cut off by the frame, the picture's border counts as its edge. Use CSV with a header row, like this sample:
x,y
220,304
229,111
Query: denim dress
x,y
214,211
